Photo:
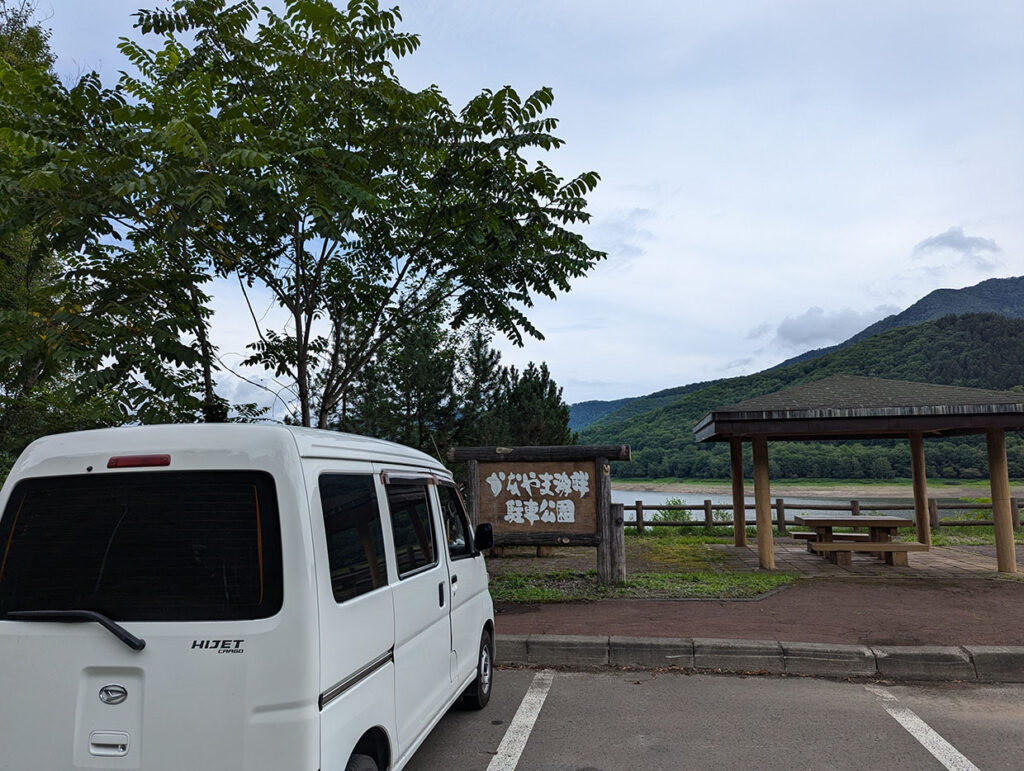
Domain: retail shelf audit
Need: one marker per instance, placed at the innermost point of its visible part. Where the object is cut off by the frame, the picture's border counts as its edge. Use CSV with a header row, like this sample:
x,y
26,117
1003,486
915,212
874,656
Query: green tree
x,y
537,414
131,313
306,170
37,376
24,43
433,388
408,393
280,151
483,415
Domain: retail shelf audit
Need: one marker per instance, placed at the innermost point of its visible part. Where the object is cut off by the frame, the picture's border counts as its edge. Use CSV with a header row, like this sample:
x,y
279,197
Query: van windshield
x,y
144,546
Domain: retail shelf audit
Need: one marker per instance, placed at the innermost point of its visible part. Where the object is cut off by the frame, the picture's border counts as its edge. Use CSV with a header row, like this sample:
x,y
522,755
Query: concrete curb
x,y
924,662
650,652
986,663
738,655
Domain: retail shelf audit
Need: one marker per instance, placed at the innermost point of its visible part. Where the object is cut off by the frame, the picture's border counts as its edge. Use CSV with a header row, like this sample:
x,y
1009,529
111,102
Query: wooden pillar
x,y
709,514
780,514
473,492
640,517
763,505
1001,516
924,533
618,544
739,511
610,561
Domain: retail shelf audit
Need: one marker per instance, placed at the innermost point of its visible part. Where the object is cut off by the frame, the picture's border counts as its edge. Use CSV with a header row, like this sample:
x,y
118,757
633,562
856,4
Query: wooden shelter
x,y
850,407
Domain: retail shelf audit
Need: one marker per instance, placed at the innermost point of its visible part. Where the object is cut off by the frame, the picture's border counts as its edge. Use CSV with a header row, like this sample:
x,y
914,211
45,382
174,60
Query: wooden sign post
x,y
549,496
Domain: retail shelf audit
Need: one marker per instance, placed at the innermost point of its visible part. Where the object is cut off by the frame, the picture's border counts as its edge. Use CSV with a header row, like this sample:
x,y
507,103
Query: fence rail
x,y
780,507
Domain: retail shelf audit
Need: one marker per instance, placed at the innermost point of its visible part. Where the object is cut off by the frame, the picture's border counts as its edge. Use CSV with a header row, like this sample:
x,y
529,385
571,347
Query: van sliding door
x,y
422,601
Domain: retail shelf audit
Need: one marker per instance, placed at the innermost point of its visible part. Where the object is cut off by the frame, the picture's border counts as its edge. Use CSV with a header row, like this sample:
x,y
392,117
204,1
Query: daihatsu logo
x,y
113,694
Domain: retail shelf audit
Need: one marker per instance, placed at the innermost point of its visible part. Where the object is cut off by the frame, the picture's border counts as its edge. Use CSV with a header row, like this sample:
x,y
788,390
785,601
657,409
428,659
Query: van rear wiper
x,y
122,634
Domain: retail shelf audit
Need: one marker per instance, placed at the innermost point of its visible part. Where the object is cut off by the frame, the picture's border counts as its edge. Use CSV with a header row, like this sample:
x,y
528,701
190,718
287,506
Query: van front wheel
x,y
361,763
478,693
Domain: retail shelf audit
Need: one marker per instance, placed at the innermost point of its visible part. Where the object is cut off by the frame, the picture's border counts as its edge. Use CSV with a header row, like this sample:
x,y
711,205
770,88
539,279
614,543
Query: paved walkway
x,y
860,619
938,562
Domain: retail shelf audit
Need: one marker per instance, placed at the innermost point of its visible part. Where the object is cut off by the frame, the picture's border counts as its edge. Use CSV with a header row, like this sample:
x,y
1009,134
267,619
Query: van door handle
x,y
455,584
440,594
108,744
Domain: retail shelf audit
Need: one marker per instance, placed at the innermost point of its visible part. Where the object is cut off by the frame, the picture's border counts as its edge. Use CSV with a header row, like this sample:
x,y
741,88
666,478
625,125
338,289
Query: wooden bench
x,y
810,536
895,553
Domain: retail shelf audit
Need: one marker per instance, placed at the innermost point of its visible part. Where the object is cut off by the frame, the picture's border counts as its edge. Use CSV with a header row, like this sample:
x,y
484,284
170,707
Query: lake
x,y
630,497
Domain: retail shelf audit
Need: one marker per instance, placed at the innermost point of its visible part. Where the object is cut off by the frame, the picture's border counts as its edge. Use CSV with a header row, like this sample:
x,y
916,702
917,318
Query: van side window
x,y
455,525
412,525
355,538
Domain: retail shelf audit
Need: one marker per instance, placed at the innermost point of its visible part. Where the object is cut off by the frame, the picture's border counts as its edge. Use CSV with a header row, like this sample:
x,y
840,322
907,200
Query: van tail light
x,y
137,461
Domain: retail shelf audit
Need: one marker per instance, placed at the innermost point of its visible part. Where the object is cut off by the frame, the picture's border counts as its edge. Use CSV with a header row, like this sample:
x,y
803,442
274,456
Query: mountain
x,y
626,408
1004,296
978,350
582,414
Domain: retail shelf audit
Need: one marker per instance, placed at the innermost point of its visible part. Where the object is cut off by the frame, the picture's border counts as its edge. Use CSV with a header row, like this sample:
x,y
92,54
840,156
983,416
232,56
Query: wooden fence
x,y
779,510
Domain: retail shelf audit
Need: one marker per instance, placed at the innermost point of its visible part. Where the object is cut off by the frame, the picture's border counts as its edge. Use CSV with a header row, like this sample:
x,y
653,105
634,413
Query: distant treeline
x,y
974,350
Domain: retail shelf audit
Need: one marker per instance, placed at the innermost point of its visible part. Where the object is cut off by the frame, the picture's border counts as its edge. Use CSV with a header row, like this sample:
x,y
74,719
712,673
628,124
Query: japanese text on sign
x,y
540,496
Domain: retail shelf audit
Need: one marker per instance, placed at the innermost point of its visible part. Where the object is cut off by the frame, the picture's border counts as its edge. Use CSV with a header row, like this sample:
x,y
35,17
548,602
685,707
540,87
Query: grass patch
x,y
973,535
704,584
669,552
680,555
569,586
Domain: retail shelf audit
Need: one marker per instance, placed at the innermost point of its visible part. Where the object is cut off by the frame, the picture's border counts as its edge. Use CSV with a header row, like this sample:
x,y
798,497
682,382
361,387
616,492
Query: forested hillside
x,y
975,350
582,414
627,408
1004,296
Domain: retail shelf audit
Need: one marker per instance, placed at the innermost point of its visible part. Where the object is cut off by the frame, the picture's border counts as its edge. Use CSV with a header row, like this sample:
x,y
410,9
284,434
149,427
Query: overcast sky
x,y
775,175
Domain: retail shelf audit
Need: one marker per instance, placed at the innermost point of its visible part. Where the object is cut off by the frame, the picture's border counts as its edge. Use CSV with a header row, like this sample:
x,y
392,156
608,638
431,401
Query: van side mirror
x,y
483,538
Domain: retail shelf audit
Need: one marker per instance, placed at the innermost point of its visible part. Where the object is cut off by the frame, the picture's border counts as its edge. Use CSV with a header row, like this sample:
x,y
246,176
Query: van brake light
x,y
136,461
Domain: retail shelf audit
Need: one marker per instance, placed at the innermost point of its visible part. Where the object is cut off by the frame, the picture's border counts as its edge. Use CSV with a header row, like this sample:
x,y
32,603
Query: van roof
x,y
310,442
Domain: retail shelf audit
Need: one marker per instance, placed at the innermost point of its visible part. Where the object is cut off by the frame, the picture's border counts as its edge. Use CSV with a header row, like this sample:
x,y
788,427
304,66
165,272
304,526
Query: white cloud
x,y
973,250
816,328
956,240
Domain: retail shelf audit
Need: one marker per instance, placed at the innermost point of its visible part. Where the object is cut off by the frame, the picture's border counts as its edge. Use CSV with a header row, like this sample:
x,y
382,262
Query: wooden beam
x,y
820,428
924,531
546,539
1001,515
739,511
473,491
763,505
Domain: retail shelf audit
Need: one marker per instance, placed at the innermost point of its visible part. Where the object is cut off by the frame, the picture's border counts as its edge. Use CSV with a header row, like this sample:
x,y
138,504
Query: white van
x,y
234,597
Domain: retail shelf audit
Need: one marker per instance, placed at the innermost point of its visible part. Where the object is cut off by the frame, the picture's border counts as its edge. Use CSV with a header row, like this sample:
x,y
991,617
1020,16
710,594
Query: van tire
x,y
478,693
361,763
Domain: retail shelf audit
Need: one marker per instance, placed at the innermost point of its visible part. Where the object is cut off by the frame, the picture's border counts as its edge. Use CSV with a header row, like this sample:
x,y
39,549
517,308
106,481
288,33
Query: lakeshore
x,y
846,489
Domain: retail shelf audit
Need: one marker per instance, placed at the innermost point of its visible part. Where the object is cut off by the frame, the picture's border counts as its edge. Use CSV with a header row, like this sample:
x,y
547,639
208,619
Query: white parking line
x,y
518,733
944,752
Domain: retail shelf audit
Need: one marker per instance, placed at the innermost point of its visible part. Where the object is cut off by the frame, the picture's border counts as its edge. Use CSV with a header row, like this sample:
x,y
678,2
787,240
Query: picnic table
x,y
838,547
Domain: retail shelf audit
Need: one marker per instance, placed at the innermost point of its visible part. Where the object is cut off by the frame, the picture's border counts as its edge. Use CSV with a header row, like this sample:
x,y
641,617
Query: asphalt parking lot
x,y
546,719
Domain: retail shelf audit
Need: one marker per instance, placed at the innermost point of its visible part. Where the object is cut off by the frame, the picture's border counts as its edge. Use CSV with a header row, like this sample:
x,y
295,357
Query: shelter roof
x,y
848,406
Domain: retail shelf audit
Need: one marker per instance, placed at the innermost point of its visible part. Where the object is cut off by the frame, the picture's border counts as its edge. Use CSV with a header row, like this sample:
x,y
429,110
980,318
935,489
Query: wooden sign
x,y
548,496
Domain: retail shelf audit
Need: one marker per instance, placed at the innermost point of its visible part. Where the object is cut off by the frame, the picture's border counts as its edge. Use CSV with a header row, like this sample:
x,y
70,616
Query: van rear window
x,y
144,546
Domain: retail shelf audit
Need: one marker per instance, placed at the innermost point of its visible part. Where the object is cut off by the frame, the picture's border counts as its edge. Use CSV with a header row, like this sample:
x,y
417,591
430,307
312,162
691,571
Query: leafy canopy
x,y
293,159
282,152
